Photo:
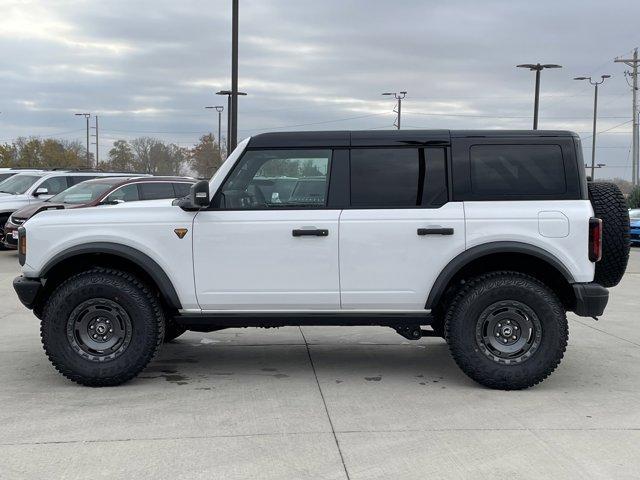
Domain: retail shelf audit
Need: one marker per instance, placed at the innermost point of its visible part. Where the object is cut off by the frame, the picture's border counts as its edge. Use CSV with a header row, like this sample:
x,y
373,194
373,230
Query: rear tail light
x,y
595,239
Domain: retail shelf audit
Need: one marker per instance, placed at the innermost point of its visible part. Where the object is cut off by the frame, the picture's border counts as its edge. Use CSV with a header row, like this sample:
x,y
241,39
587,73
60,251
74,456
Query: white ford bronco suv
x,y
484,238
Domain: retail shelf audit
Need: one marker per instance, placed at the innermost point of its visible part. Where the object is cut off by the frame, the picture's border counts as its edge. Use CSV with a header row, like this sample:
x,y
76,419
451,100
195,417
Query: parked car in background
x,y
10,172
30,187
634,217
100,191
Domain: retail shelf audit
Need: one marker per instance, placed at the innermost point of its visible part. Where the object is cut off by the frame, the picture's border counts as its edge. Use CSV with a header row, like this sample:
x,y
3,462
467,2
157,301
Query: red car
x,y
100,191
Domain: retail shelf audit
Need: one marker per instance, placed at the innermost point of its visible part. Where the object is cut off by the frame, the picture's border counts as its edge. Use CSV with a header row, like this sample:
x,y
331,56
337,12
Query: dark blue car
x,y
634,216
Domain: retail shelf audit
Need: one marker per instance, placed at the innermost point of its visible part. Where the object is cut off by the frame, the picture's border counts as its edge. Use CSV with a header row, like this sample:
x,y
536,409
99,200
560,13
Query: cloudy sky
x,y
149,67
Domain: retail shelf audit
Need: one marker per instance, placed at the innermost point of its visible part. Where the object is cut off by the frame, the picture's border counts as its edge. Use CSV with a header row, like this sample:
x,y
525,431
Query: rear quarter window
x,y
515,170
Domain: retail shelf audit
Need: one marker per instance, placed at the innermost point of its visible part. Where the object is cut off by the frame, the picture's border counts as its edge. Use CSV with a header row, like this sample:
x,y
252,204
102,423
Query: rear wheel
x,y
506,330
101,327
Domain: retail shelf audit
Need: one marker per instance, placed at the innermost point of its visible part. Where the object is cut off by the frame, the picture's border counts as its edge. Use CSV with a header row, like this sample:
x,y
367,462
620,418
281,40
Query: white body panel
x,y
385,264
249,260
147,227
531,222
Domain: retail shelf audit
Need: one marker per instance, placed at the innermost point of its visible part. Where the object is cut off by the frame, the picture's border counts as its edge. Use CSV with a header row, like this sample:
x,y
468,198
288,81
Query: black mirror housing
x,y
200,194
198,197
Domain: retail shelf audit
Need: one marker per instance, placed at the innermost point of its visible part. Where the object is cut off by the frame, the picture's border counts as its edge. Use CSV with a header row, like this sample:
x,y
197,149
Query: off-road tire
x,y
172,330
498,288
132,297
610,206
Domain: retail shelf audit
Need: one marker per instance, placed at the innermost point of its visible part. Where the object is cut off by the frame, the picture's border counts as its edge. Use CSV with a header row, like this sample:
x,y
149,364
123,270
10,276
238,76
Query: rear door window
x,y
399,177
385,177
517,170
156,190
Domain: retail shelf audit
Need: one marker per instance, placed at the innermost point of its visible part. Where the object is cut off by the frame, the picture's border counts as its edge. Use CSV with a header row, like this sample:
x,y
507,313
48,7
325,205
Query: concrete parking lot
x,y
326,403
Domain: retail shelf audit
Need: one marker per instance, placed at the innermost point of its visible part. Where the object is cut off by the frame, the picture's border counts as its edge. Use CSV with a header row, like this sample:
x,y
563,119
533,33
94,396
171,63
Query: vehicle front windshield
x,y
81,193
18,184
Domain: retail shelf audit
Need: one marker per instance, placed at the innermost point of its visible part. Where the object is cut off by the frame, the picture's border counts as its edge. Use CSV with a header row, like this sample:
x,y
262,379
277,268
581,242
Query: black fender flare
x,y
142,260
479,251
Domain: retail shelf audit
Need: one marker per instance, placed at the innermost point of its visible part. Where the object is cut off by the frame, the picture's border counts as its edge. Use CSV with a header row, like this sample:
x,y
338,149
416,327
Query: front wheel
x,y
101,327
507,330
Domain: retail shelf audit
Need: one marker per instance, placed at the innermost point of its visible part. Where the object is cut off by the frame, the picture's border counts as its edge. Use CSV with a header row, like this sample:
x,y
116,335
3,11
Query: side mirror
x,y
41,191
200,194
198,197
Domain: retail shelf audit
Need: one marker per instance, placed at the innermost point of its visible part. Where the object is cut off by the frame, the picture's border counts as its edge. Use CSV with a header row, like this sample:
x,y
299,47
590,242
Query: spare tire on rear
x,y
609,205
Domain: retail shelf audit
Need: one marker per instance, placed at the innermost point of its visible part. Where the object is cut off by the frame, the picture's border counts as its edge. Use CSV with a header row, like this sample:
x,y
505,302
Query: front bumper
x,y
591,299
8,241
27,290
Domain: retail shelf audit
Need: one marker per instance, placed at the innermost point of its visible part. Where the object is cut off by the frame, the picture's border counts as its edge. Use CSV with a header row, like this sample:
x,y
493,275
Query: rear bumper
x,y
27,290
591,299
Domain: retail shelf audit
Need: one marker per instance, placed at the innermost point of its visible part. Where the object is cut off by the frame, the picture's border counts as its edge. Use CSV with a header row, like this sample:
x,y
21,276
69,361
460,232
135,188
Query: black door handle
x,y
435,231
308,232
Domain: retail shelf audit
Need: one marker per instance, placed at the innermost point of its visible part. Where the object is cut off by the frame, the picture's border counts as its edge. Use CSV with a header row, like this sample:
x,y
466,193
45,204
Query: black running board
x,y
208,322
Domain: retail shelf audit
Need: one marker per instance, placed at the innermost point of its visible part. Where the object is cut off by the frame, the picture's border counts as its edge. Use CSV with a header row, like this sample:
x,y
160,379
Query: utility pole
x,y
87,116
398,96
596,84
537,67
97,143
633,63
234,78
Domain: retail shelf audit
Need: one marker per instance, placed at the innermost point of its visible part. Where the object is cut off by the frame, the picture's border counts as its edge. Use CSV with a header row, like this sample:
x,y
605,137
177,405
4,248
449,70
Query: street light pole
x,y
86,116
398,96
219,109
233,141
229,95
596,84
537,68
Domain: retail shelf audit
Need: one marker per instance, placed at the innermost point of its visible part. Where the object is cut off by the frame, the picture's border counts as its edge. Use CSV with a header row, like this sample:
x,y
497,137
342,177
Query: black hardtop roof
x,y
363,138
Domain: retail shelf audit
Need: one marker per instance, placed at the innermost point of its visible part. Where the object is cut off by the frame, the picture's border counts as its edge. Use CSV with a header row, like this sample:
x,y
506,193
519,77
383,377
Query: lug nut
x,y
498,334
505,340
111,330
499,325
104,338
91,327
108,321
514,337
95,336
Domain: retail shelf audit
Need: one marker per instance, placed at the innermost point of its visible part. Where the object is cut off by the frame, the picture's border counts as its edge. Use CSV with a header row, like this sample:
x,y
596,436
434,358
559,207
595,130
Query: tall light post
x,y
233,141
537,68
87,116
398,96
229,95
219,109
596,84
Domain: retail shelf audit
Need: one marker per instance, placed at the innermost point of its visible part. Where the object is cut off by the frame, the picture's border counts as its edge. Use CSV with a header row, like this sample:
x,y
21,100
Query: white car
x,y
488,237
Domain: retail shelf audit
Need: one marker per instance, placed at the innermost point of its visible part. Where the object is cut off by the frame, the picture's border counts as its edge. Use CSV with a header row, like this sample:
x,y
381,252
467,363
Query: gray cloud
x,y
149,67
